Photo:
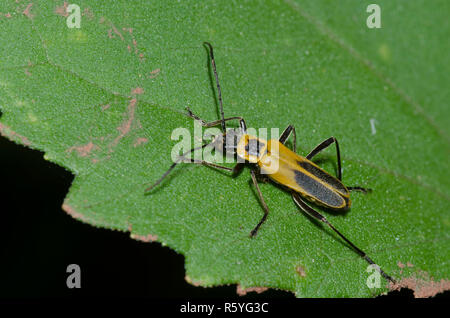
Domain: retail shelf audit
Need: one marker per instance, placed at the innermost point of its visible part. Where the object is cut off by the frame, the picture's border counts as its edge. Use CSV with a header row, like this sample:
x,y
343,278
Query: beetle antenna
x,y
219,92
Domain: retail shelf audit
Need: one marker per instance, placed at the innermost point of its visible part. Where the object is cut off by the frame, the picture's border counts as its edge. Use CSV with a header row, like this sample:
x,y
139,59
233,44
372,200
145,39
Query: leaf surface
x,y
103,100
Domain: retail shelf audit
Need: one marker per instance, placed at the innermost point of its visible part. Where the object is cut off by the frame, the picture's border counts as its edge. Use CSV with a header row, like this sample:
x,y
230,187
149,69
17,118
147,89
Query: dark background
x,y
39,240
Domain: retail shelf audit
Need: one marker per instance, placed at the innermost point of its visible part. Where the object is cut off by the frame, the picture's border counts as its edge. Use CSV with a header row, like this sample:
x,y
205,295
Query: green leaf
x,y
103,100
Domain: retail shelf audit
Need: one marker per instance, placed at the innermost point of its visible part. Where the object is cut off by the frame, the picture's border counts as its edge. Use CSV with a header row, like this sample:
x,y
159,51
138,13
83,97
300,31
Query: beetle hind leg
x,y
360,189
316,215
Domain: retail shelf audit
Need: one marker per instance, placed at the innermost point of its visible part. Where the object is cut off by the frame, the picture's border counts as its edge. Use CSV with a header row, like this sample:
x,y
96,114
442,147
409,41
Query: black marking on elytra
x,y
317,190
322,175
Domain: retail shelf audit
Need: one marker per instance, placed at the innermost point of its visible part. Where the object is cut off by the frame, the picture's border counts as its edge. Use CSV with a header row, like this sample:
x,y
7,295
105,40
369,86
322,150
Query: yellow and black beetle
x,y
302,177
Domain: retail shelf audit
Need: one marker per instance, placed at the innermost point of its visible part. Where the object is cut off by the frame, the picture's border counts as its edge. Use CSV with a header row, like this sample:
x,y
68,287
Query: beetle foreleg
x,y
182,158
204,123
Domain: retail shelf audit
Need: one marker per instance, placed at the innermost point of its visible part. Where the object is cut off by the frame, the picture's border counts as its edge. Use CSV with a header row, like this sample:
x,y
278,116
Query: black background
x,y
39,240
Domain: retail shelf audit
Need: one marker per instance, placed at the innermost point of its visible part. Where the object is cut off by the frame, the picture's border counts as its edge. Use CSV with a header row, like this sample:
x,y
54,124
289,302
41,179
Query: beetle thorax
x,y
251,148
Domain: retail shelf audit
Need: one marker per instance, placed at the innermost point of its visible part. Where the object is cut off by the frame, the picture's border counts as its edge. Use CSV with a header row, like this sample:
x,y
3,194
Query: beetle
x,y
305,180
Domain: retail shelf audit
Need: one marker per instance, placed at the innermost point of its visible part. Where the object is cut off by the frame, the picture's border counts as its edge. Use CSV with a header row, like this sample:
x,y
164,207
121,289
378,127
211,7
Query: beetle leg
x,y
361,189
261,199
262,178
323,145
205,163
204,123
181,158
237,168
313,213
285,135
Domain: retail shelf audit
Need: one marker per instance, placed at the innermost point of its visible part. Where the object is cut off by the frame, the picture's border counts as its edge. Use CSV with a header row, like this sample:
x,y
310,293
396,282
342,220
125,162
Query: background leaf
x,y
104,99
